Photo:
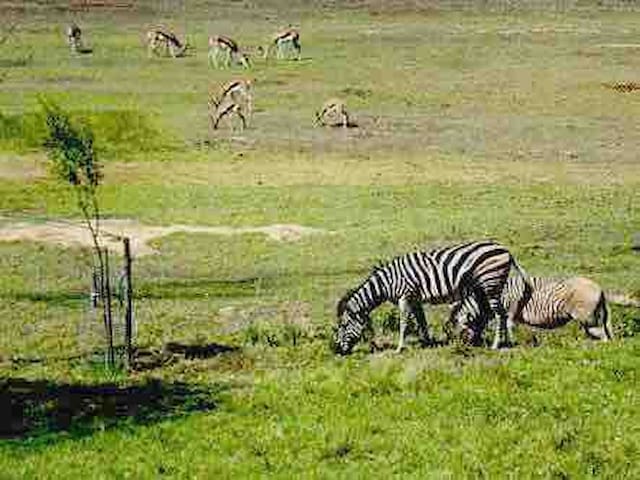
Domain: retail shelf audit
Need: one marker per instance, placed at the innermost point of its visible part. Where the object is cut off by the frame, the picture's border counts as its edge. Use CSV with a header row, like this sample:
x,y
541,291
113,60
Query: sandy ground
x,y
74,233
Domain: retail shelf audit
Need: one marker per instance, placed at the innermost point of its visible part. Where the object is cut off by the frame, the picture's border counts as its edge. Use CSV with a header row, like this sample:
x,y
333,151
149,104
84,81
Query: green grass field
x,y
472,123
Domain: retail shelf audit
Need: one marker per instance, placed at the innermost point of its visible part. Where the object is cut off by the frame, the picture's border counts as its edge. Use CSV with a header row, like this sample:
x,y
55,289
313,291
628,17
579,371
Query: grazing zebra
x,y
234,97
224,50
74,35
551,303
335,112
160,39
437,276
284,43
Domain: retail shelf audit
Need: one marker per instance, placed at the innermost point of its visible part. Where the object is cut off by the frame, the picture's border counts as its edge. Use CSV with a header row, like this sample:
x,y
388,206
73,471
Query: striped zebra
x,y
550,303
437,276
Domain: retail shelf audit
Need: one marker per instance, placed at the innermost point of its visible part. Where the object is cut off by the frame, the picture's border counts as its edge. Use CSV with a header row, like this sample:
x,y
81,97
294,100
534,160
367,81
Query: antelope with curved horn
x,y
234,97
224,50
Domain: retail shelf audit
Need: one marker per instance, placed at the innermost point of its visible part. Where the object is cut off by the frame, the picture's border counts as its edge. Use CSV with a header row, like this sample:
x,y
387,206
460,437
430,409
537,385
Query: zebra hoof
x,y
501,346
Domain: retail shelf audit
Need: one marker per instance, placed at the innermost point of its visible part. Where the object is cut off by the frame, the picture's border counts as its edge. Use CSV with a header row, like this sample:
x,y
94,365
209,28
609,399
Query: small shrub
x,y
275,334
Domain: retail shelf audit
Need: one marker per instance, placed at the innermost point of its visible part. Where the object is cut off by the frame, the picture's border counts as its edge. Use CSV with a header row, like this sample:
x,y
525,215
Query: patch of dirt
x,y
74,233
20,168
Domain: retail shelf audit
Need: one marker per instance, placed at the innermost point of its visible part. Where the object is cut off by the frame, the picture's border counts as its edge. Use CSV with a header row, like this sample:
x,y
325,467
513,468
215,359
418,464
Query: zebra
x,y
551,303
442,275
159,37
234,97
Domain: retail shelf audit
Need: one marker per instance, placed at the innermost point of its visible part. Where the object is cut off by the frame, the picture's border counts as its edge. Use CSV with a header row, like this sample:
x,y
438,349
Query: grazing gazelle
x,y
160,38
333,112
283,43
234,97
224,50
74,35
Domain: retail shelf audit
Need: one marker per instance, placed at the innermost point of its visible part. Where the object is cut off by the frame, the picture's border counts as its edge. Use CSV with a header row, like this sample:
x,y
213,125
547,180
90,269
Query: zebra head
x,y
351,324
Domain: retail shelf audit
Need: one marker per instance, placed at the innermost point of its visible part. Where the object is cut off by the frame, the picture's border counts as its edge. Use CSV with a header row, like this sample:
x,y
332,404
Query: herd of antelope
x,y
233,97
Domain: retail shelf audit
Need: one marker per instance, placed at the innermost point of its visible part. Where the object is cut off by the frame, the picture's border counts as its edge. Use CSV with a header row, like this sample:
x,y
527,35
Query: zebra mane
x,y
379,266
342,303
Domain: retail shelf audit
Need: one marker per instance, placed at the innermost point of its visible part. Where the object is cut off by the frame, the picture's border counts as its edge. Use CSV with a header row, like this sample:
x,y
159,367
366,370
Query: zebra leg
x,y
501,330
405,312
423,326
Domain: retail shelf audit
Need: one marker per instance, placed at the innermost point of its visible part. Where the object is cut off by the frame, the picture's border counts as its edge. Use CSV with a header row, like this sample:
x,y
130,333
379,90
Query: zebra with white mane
x,y
443,275
551,303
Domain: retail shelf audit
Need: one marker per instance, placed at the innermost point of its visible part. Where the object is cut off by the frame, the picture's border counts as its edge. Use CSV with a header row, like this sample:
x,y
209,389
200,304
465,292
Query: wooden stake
x,y
128,326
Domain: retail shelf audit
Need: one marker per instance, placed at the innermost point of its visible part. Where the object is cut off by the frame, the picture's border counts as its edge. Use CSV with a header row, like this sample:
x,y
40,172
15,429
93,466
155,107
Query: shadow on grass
x,y
37,408
172,351
198,351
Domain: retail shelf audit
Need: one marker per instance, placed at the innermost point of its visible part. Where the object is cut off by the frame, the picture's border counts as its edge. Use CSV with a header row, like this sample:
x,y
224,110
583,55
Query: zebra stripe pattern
x,y
544,303
437,276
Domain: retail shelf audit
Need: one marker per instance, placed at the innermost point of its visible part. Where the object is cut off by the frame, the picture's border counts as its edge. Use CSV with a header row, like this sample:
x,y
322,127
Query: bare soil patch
x,y
74,233
20,168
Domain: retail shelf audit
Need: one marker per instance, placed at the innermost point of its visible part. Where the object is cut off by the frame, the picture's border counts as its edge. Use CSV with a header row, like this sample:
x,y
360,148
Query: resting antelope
x,y
333,112
284,42
234,97
160,38
224,49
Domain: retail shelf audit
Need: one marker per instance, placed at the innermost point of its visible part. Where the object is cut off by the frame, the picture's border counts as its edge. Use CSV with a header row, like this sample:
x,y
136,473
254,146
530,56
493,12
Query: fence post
x,y
128,325
111,360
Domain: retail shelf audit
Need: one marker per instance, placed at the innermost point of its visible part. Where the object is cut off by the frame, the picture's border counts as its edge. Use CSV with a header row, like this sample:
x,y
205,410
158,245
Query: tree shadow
x,y
149,359
198,351
37,408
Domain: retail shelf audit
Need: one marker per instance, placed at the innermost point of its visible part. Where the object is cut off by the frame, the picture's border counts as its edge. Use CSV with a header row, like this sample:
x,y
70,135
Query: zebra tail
x,y
603,314
522,272
527,291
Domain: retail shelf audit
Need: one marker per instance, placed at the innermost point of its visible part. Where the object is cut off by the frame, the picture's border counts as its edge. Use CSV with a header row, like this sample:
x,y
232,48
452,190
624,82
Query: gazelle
x,y
333,112
224,50
283,43
234,97
161,38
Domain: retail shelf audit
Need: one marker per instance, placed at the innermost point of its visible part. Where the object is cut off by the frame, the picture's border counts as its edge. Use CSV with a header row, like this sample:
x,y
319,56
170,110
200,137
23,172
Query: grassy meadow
x,y
507,123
